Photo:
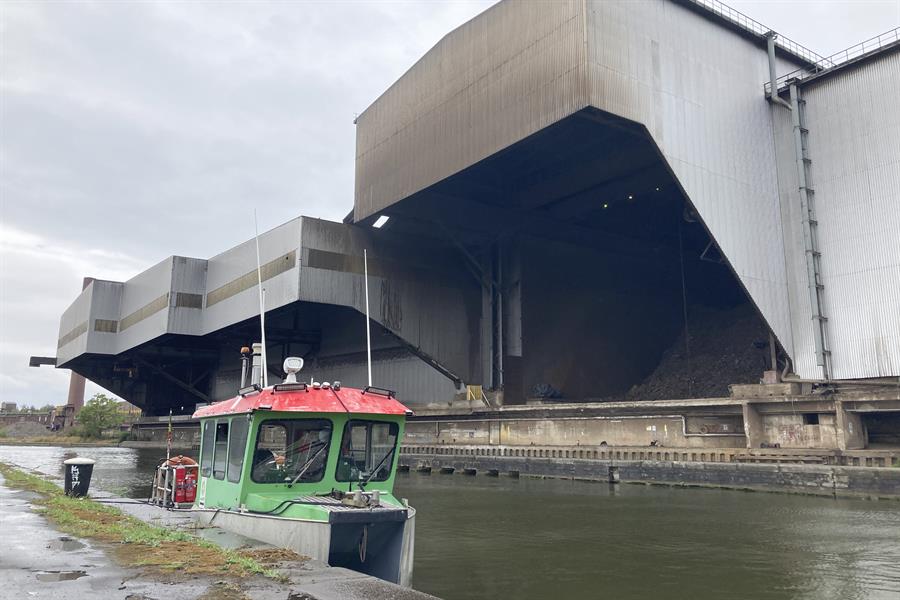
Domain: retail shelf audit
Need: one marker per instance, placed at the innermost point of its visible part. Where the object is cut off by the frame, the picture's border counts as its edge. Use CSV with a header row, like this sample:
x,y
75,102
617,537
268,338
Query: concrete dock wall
x,y
826,480
669,430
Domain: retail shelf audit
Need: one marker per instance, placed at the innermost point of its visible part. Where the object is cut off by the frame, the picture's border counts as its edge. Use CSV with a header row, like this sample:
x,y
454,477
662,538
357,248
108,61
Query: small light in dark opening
x,y
380,221
605,205
630,197
657,189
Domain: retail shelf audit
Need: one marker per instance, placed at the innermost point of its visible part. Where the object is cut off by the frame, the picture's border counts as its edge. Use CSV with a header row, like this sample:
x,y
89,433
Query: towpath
x,y
37,561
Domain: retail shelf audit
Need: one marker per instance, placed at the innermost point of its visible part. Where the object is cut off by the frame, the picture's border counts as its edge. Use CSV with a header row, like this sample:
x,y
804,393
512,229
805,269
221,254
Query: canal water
x,y
530,539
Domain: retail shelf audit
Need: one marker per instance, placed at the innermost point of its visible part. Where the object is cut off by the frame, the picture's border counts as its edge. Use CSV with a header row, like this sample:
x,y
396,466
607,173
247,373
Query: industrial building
x,y
599,202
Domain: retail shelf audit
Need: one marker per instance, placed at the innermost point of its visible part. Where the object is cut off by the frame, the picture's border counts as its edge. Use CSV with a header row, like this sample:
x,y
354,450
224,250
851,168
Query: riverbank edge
x,y
62,443
305,578
89,519
882,483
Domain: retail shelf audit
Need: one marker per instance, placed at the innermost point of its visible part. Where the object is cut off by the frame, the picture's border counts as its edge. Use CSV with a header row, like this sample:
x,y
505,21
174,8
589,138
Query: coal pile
x,y
726,347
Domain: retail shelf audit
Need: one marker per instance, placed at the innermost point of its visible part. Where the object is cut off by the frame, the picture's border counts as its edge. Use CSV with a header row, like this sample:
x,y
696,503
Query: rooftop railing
x,y
741,20
870,46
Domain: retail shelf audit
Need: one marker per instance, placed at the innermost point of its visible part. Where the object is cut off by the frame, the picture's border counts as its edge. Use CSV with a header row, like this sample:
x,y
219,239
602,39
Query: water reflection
x,y
53,576
125,471
486,538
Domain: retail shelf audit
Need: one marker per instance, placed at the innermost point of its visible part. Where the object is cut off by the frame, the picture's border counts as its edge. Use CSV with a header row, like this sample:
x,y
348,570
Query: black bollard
x,y
78,476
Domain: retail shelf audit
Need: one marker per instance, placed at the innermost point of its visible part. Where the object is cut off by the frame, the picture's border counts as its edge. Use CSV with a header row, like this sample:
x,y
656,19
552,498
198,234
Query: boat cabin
x,y
309,467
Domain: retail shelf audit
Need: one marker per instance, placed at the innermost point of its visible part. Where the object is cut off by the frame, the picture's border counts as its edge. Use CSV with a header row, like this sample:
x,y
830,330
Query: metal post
x,y
487,321
773,79
773,354
368,325
262,307
498,322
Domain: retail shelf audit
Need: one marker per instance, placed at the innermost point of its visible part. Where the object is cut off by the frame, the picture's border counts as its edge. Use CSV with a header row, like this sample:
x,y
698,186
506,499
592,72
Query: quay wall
x,y
639,430
814,479
153,433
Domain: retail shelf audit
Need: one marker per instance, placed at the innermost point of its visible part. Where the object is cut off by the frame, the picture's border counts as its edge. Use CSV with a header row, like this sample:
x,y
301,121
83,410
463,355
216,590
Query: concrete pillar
x,y
753,429
76,392
75,398
512,302
487,324
850,432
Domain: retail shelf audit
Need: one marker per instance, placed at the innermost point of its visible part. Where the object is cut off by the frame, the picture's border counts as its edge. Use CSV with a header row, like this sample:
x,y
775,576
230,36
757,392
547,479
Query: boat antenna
x,y
169,436
262,308
368,326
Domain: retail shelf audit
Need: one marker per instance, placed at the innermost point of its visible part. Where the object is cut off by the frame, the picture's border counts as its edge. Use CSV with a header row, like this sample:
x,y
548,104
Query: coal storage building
x,y
597,202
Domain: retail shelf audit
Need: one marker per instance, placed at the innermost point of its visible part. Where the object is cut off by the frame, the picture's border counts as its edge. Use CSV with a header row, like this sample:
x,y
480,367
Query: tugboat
x,y
309,467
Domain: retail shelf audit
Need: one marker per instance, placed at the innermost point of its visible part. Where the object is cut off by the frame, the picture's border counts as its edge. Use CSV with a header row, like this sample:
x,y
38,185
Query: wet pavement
x,y
37,561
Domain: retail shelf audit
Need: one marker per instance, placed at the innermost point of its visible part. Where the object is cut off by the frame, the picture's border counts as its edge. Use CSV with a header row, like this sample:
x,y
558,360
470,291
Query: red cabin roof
x,y
344,400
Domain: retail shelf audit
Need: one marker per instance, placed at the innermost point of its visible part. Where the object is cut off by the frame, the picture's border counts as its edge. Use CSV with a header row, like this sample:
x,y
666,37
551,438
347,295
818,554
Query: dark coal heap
x,y
726,347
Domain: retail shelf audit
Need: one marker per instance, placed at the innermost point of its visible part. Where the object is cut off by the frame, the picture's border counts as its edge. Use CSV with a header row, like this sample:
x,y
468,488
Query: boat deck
x,y
341,513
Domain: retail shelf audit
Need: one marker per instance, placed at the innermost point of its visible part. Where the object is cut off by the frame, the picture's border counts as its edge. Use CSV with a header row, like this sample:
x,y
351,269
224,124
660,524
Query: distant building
x,y
8,407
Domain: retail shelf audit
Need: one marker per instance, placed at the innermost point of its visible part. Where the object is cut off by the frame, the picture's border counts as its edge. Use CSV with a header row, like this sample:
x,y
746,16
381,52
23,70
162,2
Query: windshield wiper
x,y
362,486
308,463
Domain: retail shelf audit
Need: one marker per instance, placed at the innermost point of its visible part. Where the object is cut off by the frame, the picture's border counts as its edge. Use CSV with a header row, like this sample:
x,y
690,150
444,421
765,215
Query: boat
x,y
309,467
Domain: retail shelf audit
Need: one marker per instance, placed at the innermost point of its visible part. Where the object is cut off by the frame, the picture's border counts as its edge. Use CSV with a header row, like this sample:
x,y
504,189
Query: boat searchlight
x,y
292,365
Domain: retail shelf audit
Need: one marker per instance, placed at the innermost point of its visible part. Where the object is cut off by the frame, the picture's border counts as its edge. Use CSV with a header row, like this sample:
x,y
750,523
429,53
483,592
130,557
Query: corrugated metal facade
x,y
853,118
521,66
170,297
513,70
803,354
410,294
236,268
695,86
414,381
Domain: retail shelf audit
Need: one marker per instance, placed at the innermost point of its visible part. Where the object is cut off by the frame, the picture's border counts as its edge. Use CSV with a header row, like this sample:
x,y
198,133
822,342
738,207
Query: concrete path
x,y
36,561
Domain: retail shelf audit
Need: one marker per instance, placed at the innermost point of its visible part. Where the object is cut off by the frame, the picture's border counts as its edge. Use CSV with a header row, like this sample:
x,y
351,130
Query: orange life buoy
x,y
180,460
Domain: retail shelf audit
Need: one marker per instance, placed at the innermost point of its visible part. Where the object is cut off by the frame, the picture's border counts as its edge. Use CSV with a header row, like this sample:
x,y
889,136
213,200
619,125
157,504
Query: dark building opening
x,y
612,287
882,429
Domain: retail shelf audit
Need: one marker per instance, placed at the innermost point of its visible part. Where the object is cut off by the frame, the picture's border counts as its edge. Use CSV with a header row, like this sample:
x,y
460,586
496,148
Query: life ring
x,y
180,461
704,429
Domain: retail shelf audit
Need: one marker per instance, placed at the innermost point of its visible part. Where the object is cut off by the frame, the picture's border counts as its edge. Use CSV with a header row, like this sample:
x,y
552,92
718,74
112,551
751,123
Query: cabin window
x,y
221,456
291,451
238,447
206,452
367,451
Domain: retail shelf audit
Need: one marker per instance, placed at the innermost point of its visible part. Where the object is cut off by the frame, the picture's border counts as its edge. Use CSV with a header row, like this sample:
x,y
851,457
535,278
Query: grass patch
x,y
135,542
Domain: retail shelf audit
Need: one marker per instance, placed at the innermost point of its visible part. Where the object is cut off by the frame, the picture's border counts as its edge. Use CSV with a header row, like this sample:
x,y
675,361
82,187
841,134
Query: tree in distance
x,y
99,413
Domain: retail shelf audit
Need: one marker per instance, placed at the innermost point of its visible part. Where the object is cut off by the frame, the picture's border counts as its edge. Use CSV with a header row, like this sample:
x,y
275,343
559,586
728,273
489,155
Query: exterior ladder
x,y
810,230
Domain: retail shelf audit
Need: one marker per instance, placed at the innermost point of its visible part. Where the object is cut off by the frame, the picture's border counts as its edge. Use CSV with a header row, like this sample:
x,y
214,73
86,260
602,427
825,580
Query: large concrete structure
x,y
571,188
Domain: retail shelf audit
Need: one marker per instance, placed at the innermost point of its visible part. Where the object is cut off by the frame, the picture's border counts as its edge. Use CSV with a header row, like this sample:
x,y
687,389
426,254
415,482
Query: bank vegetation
x,y
135,543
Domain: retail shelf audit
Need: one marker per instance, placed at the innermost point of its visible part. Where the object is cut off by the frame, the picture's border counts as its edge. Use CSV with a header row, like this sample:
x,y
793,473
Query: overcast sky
x,y
130,131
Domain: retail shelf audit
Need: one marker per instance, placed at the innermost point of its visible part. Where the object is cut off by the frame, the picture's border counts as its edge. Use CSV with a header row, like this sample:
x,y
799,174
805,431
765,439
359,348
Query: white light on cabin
x,y
380,221
630,197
